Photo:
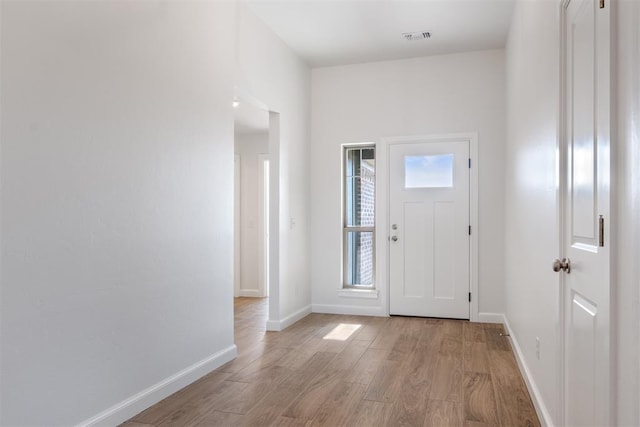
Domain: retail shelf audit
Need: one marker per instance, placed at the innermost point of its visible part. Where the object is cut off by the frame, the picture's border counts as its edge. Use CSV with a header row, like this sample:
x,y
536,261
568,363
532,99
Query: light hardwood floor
x,y
335,370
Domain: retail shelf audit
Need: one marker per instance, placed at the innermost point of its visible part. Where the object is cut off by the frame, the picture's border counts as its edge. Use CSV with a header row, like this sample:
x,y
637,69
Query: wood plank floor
x,y
333,370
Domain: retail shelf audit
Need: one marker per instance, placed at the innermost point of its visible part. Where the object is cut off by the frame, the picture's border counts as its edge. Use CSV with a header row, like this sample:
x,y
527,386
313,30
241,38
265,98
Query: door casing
x,y
263,223
236,225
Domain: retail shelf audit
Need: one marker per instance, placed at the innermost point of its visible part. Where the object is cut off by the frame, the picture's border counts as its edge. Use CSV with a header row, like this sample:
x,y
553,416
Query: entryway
x,y
430,228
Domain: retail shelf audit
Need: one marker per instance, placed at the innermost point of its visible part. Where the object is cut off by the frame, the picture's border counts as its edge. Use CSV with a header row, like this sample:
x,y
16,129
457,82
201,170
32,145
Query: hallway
x,y
357,371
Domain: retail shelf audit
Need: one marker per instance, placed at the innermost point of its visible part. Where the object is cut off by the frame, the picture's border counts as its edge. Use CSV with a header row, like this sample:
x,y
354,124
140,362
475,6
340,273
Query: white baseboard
x,y
279,325
490,317
250,293
137,403
543,413
353,310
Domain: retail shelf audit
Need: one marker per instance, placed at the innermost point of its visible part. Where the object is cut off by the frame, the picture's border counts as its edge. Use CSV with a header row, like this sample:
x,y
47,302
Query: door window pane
x,y
359,258
428,171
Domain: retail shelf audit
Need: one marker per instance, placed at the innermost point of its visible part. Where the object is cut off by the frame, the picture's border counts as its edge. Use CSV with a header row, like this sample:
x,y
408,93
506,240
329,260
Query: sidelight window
x,y
359,216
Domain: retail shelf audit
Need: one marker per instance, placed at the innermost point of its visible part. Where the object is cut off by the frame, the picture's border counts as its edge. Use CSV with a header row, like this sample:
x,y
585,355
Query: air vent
x,y
411,37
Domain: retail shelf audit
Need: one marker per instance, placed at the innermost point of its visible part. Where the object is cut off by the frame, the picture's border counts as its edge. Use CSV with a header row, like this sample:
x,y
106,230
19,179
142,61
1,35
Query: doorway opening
x,y
251,201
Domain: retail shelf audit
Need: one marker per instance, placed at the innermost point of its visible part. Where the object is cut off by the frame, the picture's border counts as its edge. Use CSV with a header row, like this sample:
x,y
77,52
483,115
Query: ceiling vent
x,y
411,37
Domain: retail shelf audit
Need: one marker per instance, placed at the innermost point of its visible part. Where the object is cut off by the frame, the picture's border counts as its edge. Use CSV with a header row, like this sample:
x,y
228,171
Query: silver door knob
x,y
565,265
394,238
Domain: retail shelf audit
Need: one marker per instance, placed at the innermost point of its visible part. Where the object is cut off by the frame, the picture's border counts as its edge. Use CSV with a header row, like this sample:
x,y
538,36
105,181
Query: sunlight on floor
x,y
342,332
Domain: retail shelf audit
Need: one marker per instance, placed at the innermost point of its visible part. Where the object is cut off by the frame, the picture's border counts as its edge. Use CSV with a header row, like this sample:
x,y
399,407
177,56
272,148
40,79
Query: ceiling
x,y
338,32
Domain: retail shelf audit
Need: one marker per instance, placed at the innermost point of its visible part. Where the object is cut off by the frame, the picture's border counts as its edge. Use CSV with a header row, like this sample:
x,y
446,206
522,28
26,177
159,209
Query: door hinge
x,y
601,231
469,162
601,4
469,296
469,230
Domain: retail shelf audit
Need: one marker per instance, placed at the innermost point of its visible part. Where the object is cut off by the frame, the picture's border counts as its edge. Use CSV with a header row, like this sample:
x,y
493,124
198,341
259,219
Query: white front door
x,y
429,229
586,201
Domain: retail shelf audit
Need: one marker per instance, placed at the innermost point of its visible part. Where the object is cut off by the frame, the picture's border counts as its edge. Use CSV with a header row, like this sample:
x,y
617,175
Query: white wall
x,y
249,146
117,164
366,102
626,300
532,288
268,71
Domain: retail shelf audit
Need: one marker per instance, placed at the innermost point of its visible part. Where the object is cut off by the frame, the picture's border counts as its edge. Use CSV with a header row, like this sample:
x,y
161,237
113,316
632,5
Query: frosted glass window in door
x,y
435,171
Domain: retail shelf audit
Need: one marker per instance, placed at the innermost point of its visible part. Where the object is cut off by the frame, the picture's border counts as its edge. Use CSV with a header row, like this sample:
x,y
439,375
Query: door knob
x,y
394,238
565,265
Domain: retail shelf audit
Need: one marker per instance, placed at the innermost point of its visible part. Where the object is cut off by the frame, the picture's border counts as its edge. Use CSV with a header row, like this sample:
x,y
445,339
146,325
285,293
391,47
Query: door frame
x,y
562,187
383,209
236,225
263,225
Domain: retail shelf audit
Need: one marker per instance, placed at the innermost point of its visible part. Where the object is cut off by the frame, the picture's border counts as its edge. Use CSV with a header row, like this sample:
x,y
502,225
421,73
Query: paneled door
x,y
429,229
586,213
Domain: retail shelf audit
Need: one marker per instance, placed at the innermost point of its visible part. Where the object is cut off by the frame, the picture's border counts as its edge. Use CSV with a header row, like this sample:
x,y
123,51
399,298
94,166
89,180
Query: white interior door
x,y
586,311
429,229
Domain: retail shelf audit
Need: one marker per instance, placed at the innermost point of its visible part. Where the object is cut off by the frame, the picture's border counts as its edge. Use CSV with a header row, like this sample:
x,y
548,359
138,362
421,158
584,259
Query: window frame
x,y
347,228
